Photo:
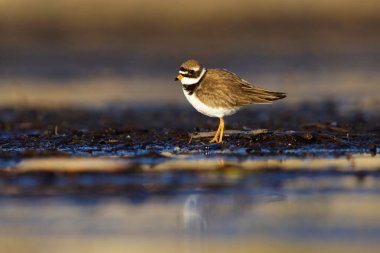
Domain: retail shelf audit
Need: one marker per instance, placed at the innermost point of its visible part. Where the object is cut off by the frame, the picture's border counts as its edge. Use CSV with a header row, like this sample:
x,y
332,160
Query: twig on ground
x,y
228,133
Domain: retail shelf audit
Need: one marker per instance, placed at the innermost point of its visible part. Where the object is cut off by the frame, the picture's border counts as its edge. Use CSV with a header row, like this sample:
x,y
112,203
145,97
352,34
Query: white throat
x,y
189,81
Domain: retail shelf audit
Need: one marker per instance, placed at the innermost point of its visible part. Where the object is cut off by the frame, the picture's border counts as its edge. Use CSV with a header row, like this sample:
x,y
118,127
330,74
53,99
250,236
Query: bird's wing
x,y
224,88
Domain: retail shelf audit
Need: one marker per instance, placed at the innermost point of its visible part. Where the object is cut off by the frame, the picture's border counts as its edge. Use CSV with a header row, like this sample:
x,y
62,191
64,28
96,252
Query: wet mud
x,y
149,131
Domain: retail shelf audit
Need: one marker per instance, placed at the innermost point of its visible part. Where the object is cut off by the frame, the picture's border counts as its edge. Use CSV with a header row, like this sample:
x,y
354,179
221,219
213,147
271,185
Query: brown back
x,y
221,88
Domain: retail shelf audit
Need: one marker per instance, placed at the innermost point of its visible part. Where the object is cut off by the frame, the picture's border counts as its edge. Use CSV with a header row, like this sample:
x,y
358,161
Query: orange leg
x,y
220,129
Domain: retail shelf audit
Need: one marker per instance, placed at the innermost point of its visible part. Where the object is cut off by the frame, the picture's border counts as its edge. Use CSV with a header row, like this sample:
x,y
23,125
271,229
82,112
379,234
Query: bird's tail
x,y
276,95
263,96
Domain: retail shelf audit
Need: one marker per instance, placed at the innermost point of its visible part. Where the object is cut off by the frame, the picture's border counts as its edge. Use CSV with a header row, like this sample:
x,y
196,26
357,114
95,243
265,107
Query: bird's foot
x,y
215,139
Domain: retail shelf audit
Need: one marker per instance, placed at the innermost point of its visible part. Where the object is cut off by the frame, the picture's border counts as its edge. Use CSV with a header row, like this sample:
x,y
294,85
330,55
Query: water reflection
x,y
193,216
205,213
225,221
223,210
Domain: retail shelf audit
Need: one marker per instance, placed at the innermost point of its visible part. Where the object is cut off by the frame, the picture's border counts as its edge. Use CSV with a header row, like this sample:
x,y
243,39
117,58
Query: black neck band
x,y
190,88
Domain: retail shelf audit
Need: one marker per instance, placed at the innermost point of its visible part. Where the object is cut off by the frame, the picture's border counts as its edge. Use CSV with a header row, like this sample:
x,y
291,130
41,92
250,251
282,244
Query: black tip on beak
x,y
179,77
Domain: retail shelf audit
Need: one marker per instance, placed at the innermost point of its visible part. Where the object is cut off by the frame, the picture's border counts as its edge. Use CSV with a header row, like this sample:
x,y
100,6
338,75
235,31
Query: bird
x,y
219,92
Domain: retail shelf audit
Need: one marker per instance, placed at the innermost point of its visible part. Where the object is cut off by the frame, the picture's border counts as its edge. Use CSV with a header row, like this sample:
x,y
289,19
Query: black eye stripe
x,y
189,70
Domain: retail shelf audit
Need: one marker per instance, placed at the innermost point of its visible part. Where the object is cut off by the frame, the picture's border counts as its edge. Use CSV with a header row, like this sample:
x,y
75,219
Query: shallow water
x,y
187,204
265,211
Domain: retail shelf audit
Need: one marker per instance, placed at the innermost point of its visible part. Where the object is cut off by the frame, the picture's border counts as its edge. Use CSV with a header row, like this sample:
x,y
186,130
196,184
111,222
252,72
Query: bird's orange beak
x,y
179,77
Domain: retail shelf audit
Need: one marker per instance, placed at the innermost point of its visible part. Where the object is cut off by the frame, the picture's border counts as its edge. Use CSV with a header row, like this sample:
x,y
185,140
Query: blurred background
x,y
96,52
120,54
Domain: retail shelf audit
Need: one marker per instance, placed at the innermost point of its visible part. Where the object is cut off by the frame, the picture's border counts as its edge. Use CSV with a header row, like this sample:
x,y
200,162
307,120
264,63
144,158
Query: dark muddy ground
x,y
149,131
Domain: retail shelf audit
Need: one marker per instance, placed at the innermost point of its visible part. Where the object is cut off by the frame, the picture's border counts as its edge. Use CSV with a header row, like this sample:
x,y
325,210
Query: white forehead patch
x,y
196,68
183,72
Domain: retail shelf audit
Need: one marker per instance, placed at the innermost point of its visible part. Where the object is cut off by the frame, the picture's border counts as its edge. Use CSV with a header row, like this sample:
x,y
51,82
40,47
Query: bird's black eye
x,y
191,72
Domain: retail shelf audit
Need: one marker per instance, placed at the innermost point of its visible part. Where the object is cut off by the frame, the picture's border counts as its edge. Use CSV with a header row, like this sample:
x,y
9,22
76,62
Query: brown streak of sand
x,y
72,164
276,25
351,90
355,163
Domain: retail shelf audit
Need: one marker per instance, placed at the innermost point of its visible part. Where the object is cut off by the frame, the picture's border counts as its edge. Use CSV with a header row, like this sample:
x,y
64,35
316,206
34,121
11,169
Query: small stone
x,y
308,136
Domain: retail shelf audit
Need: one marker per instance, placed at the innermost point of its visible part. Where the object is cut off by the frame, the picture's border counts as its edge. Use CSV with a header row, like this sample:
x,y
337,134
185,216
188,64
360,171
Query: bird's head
x,y
190,72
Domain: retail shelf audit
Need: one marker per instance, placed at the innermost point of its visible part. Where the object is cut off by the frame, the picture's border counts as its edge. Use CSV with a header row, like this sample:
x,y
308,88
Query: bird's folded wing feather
x,y
222,88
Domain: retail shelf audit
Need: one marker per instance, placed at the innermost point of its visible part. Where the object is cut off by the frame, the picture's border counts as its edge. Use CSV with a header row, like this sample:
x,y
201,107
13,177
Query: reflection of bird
x,y
219,93
192,215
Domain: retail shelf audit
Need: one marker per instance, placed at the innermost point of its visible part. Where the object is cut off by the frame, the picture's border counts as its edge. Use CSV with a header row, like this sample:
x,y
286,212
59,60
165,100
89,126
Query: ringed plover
x,y
219,92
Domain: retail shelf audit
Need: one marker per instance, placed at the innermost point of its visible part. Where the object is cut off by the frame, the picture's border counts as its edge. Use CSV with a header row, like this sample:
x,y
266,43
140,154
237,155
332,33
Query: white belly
x,y
207,110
